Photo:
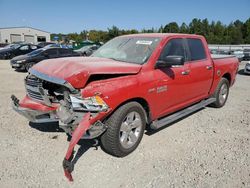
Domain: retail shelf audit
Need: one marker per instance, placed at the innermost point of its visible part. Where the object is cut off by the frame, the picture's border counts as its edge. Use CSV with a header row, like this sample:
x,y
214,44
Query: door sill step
x,y
180,114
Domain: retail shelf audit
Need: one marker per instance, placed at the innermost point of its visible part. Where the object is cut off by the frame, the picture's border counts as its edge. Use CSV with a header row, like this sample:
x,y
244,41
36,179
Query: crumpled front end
x,y
51,99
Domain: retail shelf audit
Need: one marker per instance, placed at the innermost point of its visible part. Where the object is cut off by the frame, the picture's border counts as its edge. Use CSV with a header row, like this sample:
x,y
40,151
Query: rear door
x,y
201,68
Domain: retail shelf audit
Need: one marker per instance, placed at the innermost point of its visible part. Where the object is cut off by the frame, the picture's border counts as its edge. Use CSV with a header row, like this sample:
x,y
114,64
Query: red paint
x,y
77,134
83,126
181,90
27,102
77,70
139,83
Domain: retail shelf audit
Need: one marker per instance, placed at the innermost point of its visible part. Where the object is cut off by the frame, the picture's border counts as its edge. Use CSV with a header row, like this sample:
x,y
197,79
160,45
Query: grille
x,y
33,87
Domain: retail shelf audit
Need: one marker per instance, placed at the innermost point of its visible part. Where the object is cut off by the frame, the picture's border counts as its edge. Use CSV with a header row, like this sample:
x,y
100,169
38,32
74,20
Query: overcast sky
x,y
76,15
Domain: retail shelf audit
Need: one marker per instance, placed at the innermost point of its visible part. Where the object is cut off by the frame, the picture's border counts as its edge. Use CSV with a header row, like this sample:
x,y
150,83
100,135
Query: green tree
x,y
195,27
236,32
171,28
113,32
246,31
184,28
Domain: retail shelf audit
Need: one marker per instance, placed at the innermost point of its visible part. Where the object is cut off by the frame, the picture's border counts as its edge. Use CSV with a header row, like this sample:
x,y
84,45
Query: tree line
x,y
236,32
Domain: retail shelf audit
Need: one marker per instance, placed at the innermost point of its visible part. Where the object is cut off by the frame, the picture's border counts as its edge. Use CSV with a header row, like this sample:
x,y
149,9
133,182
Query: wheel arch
x,y
143,102
228,77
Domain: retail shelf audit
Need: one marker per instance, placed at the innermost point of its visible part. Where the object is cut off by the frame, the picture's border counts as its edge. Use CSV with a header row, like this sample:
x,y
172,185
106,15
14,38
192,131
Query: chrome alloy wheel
x,y
223,93
130,130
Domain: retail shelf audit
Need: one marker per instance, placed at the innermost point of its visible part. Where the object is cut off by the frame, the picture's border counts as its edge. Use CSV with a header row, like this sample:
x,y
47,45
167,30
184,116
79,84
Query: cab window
x,y
174,47
196,49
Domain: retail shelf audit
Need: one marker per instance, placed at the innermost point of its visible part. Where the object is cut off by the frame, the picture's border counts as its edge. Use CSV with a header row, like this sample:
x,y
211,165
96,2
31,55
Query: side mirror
x,y
170,61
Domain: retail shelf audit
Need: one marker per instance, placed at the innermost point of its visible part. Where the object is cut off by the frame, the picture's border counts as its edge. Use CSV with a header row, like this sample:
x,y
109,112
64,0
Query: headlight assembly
x,y
20,61
93,104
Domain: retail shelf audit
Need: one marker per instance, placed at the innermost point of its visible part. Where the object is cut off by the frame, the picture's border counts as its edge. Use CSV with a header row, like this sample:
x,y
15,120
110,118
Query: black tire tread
x,y
109,140
217,104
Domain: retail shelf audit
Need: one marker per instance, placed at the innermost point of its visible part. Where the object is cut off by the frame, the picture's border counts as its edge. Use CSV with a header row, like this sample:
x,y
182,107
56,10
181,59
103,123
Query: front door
x,y
173,85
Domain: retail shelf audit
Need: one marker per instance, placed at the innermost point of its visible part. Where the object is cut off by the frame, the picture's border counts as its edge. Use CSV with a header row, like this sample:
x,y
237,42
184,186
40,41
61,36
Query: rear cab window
x,y
196,49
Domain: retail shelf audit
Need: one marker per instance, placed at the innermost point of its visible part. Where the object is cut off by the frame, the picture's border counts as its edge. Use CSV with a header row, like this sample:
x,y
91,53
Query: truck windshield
x,y
128,49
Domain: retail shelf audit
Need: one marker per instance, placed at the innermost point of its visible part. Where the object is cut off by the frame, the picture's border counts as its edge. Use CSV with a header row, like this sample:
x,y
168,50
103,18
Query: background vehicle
x,y
87,50
7,46
247,68
24,62
246,54
43,44
17,49
214,51
78,45
55,45
129,83
239,54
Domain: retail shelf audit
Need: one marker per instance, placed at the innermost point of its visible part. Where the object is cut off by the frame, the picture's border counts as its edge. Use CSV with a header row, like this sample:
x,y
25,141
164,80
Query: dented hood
x,y
77,70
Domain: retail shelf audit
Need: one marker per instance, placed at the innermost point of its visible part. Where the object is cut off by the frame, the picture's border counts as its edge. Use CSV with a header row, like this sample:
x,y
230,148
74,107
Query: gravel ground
x,y
210,148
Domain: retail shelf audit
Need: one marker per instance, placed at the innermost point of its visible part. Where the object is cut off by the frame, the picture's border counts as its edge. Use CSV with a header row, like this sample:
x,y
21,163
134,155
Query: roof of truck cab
x,y
161,35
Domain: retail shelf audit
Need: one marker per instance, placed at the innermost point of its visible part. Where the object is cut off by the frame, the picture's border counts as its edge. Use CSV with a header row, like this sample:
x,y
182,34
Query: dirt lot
x,y
210,148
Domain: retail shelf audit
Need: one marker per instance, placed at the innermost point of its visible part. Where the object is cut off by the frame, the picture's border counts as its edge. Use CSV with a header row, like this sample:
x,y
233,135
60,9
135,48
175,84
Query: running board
x,y
180,114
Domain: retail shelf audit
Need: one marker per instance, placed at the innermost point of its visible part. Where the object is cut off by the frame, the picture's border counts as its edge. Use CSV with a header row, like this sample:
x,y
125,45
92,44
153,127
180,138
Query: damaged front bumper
x,y
33,115
39,113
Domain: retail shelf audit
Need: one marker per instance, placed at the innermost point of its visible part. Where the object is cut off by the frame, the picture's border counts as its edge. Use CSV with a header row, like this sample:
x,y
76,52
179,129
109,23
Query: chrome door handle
x,y
209,67
186,72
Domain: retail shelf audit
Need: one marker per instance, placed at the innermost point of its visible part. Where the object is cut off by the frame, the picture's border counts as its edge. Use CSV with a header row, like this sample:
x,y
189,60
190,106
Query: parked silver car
x,y
246,54
239,54
87,50
247,68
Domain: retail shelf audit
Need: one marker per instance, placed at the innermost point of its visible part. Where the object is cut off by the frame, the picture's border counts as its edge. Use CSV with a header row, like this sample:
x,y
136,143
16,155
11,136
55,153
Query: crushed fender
x,y
83,126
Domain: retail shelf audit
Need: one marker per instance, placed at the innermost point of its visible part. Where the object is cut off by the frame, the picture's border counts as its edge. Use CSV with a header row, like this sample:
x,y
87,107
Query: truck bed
x,y
221,56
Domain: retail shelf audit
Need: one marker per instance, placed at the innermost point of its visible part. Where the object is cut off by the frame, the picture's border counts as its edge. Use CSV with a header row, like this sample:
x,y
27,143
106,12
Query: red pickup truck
x,y
130,83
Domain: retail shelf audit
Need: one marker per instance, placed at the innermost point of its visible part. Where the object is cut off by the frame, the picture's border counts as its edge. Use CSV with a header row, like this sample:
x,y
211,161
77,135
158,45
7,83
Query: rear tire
x,y
221,93
125,130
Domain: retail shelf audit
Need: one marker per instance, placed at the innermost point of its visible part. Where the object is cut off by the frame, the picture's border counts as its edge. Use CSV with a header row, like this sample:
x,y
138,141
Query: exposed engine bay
x,y
71,105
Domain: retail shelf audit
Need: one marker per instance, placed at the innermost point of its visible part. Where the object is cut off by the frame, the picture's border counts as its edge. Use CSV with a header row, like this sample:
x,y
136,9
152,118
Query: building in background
x,y
23,34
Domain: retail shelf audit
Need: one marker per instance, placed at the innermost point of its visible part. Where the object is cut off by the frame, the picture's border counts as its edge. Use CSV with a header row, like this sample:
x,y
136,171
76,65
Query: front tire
x,y
221,93
125,130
